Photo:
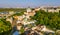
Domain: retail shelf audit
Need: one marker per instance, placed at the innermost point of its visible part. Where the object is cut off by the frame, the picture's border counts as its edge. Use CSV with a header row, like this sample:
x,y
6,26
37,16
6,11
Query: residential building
x,y
51,9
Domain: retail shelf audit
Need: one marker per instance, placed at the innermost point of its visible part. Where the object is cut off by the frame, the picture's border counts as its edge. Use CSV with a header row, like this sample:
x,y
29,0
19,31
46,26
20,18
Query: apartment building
x,y
51,9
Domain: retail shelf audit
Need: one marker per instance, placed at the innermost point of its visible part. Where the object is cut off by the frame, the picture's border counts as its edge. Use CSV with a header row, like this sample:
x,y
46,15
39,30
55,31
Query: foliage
x,y
22,30
4,26
18,14
12,9
51,20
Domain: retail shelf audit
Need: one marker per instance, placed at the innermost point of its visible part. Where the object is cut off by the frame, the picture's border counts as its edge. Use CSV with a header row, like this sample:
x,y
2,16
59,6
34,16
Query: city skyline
x,y
26,3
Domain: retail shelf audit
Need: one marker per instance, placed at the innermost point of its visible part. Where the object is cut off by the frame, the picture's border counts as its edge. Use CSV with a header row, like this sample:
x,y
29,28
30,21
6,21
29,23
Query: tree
x,y
5,26
51,20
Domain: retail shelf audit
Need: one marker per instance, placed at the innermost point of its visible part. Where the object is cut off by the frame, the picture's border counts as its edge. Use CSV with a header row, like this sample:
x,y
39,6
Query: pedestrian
x,y
16,33
13,29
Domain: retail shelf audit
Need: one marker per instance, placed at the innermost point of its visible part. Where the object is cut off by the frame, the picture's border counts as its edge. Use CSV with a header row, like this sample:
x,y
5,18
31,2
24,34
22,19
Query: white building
x,y
28,10
10,20
11,12
51,9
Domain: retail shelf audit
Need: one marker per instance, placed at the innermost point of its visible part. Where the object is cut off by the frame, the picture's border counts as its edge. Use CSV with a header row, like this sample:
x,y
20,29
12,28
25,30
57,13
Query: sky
x,y
28,3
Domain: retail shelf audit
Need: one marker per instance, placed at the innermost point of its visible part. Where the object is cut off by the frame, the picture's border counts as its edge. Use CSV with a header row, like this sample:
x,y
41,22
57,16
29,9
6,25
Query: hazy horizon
x,y
26,3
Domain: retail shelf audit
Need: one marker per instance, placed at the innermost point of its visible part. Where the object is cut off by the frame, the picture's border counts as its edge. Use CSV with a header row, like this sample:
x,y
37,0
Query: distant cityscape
x,y
29,17
10,11
13,15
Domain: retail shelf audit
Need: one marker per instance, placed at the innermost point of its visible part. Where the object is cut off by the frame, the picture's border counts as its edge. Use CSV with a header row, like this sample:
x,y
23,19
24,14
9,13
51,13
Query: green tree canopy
x,y
4,26
49,19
